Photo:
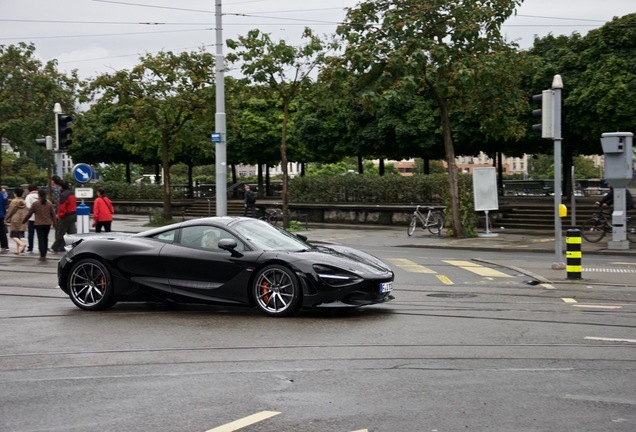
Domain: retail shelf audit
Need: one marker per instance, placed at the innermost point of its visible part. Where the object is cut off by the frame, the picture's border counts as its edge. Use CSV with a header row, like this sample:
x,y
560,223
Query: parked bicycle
x,y
433,220
595,228
271,215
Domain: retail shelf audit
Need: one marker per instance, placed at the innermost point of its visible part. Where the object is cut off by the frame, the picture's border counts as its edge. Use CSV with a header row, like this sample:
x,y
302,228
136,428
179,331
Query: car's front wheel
x,y
277,291
90,285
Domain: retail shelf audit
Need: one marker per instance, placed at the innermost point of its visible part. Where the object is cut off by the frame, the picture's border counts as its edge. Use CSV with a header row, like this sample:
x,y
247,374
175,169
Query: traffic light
x,y
63,131
47,142
546,127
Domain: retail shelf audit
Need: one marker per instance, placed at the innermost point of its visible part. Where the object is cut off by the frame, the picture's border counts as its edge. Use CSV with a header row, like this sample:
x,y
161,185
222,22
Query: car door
x,y
200,270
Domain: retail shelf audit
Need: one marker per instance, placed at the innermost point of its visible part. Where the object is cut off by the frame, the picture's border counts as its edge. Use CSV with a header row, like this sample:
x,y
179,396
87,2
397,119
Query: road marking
x,y
547,286
569,300
411,266
246,421
444,279
477,269
610,339
597,306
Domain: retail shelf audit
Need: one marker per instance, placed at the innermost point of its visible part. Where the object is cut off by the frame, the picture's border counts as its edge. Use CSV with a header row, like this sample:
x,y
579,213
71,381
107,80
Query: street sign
x,y
216,137
82,173
84,192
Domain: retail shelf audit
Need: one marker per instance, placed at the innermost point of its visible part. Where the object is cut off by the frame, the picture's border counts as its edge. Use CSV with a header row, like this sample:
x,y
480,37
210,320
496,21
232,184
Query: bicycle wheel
x,y
630,228
436,223
412,226
593,230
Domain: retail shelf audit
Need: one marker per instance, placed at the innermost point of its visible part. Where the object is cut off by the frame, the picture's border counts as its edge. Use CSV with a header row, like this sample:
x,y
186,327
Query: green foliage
x,y
134,191
368,189
157,219
294,226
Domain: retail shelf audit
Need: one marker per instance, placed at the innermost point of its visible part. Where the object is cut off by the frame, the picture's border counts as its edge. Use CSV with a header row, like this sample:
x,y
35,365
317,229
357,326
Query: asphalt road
x,y
464,346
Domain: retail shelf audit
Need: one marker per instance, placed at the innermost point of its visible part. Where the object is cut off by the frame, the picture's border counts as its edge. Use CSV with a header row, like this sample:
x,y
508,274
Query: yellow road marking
x,y
477,269
444,279
246,421
411,266
569,300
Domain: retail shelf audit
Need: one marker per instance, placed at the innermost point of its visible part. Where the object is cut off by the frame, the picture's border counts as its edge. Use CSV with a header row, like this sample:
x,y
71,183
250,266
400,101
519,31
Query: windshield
x,y
267,237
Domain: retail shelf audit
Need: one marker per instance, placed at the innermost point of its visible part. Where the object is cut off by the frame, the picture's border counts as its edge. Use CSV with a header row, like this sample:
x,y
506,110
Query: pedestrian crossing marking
x,y
597,306
444,280
568,300
478,269
244,422
411,266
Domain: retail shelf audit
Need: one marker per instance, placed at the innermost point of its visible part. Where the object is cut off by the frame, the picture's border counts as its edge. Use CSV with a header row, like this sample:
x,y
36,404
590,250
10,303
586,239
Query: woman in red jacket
x,y
102,212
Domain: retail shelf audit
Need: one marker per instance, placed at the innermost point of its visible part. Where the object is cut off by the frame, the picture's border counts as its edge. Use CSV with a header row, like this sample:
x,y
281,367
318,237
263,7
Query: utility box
x,y
617,147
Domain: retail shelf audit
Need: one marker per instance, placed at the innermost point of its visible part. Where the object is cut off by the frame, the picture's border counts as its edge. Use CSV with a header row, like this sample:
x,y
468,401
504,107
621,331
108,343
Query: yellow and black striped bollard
x,y
573,253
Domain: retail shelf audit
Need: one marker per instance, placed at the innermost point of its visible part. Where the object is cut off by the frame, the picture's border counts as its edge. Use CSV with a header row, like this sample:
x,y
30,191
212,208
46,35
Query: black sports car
x,y
220,260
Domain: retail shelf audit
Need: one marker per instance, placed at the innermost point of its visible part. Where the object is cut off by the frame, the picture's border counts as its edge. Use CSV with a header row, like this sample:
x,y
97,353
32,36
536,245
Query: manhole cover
x,y
453,295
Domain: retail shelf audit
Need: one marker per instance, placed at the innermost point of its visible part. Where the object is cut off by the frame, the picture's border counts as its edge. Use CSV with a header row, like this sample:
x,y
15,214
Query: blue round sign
x,y
82,173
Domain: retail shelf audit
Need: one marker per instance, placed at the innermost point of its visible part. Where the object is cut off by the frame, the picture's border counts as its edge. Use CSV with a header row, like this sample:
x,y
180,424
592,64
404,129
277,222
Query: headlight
x,y
335,277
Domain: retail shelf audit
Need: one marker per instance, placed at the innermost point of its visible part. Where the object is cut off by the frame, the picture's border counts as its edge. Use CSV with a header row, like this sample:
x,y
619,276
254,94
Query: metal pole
x,y
573,200
557,86
57,110
219,119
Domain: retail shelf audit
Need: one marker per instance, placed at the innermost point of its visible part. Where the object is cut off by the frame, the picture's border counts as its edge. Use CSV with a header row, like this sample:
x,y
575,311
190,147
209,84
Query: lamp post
x,y
219,119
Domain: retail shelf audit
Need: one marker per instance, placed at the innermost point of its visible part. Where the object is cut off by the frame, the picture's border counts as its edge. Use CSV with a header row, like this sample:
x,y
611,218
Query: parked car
x,y
220,260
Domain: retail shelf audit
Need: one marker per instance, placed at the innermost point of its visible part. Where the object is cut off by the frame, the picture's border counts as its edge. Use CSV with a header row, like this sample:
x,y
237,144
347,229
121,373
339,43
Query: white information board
x,y
485,189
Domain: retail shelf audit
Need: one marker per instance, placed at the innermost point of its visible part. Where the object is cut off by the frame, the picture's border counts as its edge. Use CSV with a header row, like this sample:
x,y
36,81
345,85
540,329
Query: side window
x,y
206,237
166,236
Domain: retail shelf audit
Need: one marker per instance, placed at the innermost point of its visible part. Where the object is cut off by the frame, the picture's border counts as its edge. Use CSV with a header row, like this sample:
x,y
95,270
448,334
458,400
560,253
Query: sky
x,y
98,36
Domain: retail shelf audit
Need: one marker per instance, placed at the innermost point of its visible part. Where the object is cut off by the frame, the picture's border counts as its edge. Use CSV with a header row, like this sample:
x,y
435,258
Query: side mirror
x,y
229,245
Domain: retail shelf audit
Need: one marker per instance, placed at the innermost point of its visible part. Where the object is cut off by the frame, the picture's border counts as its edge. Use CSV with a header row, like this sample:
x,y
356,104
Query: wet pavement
x,y
512,246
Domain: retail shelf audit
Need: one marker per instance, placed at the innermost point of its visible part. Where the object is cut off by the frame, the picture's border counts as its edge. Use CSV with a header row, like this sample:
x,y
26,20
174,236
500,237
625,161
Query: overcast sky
x,y
96,36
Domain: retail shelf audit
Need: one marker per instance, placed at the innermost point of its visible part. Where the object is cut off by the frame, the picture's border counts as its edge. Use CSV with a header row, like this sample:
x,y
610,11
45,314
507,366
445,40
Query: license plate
x,y
386,287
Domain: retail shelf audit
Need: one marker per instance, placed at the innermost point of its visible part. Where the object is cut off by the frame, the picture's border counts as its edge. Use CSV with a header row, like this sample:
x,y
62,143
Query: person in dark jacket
x,y
608,199
250,200
66,216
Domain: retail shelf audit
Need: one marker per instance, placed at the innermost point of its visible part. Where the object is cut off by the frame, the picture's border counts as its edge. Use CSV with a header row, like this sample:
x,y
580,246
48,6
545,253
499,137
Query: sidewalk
x,y
507,241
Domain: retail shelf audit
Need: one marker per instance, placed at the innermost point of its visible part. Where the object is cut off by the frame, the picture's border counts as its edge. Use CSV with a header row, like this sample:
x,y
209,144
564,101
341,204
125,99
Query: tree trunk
x,y
453,188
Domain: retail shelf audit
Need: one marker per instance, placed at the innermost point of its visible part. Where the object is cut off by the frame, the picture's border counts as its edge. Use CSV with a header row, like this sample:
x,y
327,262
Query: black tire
x,y
90,286
630,229
436,223
412,226
593,230
277,291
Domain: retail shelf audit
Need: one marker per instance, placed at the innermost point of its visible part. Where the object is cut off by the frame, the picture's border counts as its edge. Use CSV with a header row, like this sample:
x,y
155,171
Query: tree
x,y
286,70
451,51
163,94
28,93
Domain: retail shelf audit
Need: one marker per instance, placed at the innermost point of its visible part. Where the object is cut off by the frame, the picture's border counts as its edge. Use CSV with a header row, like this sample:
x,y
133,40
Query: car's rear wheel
x,y
277,291
90,285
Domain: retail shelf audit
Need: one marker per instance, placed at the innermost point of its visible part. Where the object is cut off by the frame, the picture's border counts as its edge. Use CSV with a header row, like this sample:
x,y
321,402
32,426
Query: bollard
x,y
573,253
83,219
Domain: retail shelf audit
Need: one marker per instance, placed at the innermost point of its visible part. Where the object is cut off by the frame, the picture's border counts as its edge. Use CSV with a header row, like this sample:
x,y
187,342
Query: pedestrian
x,y
32,196
4,200
66,216
43,214
102,212
14,217
250,200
